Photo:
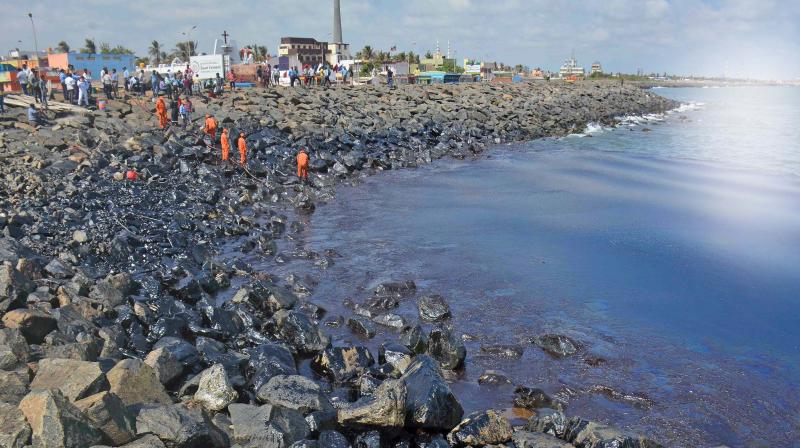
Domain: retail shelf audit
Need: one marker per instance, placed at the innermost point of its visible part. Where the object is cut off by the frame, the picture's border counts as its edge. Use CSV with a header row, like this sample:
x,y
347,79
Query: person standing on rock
x,y
225,143
174,111
83,92
302,165
210,128
161,112
242,149
232,79
126,75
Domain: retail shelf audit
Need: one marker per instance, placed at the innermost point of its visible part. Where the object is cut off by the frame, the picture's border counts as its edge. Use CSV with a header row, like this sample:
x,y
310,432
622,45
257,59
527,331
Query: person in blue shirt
x,y
34,119
62,76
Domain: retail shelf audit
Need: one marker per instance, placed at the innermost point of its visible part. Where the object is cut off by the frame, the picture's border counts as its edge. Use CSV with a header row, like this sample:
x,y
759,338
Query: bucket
x,y
131,175
101,104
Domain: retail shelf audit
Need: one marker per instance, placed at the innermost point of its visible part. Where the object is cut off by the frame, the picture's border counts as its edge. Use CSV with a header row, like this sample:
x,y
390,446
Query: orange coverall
x,y
225,142
302,165
211,129
242,150
161,112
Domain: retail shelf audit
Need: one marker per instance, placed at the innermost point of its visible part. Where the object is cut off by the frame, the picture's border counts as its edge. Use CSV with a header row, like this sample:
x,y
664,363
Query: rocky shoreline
x,y
112,332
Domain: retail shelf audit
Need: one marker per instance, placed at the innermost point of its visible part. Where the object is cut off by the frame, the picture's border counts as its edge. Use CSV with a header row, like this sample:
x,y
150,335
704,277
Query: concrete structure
x,y
93,62
337,21
305,49
338,50
436,63
571,68
597,68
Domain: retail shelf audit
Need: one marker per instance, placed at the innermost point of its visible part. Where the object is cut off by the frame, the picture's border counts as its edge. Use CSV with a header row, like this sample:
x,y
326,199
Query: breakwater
x,y
111,323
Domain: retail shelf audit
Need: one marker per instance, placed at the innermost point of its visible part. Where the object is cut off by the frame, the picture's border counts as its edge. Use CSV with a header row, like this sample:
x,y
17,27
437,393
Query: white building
x,y
570,68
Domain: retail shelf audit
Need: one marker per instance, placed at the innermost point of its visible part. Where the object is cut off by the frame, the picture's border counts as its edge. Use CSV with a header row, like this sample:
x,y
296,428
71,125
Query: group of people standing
x,y
34,84
173,85
321,75
180,111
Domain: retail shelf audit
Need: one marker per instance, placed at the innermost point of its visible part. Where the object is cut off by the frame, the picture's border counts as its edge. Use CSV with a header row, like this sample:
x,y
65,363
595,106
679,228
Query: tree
x,y
89,46
367,53
142,61
119,49
428,55
401,57
105,48
63,47
156,52
185,50
518,68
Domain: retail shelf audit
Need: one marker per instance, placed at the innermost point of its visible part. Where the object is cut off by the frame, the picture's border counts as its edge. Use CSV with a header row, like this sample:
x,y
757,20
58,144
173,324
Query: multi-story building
x,y
597,68
571,68
307,50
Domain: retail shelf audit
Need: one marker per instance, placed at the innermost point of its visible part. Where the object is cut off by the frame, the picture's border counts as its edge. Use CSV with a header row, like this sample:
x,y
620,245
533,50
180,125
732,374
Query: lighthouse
x,y
338,50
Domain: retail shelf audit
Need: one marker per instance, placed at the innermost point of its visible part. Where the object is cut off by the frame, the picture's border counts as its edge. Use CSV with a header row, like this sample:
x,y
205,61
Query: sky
x,y
738,38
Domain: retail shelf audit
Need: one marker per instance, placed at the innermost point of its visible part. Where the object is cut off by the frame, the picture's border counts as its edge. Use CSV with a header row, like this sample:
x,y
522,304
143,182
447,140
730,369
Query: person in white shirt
x,y
106,80
69,83
83,92
22,79
126,75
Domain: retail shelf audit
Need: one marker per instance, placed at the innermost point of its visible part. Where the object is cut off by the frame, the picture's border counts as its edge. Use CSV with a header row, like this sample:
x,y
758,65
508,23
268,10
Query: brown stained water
x,y
666,248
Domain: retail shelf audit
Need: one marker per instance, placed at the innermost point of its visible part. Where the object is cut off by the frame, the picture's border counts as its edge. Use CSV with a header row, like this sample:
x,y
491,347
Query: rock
x,y
267,426
107,413
166,365
268,360
185,352
433,308
180,426
14,287
556,345
415,339
333,439
75,379
300,332
343,364
384,409
14,385
321,420
148,441
399,289
503,351
136,383
390,320
588,434
214,390
79,236
430,403
59,269
361,326
104,292
55,422
369,439
33,324
447,348
548,421
14,429
294,392
525,439
531,398
396,355
14,348
493,377
481,428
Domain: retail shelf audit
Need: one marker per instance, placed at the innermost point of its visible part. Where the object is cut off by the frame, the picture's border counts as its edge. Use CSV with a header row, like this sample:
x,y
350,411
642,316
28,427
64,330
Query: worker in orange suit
x,y
210,128
302,165
225,142
242,149
161,112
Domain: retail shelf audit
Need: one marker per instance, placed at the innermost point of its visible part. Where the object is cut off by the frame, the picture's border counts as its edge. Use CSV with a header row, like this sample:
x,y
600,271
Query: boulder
x,y
503,351
267,426
531,398
14,429
525,439
55,422
415,339
481,428
361,326
300,333
267,360
588,434
107,413
384,409
548,421
14,348
430,403
214,390
33,324
136,383
493,378
106,293
343,364
447,348
556,345
396,355
14,287
433,308
399,289
185,352
148,441
180,426
167,366
14,385
75,379
294,392
333,439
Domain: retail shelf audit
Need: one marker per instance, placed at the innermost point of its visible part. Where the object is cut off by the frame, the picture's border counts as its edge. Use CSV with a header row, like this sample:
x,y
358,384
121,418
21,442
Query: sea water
x,y
668,247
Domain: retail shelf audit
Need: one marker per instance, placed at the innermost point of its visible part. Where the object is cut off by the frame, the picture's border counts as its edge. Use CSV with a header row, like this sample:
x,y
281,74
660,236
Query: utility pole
x,y
35,39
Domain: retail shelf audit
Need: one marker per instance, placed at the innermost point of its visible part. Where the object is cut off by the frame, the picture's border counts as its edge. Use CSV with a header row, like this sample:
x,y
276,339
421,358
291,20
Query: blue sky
x,y
753,38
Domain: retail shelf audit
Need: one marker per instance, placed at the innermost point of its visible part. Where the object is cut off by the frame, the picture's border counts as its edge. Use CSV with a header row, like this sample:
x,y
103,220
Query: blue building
x,y
93,62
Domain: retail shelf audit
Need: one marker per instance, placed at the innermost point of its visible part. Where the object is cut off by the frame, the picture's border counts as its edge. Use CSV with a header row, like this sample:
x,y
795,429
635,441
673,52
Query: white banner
x,y
207,67
473,69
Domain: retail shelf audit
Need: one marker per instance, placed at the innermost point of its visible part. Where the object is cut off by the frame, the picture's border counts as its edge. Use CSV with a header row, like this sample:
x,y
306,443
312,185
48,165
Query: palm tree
x,y
401,57
63,47
155,52
185,50
89,46
367,53
428,55
105,47
262,49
